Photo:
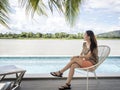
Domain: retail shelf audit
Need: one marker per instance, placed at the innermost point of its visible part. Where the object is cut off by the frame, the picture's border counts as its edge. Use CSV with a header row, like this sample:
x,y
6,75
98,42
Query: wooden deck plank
x,y
77,84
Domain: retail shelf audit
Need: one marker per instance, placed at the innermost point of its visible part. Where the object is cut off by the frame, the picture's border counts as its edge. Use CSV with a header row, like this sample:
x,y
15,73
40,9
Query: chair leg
x,y
87,80
95,75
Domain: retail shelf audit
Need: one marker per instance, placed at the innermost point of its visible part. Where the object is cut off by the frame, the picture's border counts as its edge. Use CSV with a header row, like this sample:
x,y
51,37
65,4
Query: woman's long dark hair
x,y
93,40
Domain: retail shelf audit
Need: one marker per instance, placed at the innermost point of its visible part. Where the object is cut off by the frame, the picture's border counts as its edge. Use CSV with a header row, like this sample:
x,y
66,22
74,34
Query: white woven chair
x,y
103,52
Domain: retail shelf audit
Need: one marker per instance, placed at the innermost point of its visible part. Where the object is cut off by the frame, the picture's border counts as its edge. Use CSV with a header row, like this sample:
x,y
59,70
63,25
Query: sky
x,y
97,15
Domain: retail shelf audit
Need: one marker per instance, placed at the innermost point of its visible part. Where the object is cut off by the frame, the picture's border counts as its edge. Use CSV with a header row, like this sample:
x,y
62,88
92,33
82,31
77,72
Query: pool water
x,y
44,65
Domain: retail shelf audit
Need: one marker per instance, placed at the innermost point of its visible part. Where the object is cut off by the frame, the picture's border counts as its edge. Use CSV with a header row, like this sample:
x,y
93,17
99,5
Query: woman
x,y
88,57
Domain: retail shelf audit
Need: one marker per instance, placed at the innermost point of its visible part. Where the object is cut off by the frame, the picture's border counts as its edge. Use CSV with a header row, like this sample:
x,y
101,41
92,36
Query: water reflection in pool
x,y
41,65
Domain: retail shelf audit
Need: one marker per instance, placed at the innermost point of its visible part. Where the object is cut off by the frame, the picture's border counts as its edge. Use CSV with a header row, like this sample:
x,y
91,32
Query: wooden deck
x,y
77,84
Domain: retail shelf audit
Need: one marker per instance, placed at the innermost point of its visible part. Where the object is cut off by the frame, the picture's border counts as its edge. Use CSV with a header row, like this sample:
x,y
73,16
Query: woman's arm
x,y
76,56
82,52
85,56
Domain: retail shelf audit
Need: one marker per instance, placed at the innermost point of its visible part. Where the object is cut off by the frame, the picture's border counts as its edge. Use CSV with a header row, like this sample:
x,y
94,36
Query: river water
x,y
12,47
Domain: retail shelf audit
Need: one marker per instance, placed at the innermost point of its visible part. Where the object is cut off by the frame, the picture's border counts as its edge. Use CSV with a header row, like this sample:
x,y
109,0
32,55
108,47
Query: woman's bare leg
x,y
74,60
74,57
70,76
71,72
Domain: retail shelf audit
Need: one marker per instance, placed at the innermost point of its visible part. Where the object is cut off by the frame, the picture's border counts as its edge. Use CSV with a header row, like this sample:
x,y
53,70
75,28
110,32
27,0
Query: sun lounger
x,y
5,86
9,70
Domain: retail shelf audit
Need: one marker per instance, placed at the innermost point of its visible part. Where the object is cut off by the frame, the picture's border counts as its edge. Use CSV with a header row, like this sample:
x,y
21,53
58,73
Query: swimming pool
x,y
44,65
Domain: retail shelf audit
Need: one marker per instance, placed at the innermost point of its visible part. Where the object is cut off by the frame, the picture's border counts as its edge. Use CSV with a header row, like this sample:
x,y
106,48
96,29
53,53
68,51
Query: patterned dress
x,y
94,57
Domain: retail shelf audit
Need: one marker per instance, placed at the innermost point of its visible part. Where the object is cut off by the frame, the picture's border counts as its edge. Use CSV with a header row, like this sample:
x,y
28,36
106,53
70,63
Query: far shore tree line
x,y
27,35
59,35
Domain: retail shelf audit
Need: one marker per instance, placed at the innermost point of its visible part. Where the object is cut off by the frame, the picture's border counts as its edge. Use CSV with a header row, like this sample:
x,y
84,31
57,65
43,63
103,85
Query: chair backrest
x,y
103,52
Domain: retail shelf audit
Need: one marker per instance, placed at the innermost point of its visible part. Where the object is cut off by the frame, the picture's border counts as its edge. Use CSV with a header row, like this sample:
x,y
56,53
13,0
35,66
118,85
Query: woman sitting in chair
x,y
87,58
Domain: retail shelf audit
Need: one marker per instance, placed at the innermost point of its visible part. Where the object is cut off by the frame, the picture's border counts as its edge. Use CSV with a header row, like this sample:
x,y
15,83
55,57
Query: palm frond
x,y
4,10
58,4
33,6
72,10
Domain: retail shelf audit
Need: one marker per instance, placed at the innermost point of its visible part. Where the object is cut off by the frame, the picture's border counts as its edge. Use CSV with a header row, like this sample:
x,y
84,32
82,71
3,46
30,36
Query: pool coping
x,y
76,76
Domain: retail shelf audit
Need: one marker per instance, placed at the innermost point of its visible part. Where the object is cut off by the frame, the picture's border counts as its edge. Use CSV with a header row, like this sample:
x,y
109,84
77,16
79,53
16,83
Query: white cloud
x,y
97,27
107,5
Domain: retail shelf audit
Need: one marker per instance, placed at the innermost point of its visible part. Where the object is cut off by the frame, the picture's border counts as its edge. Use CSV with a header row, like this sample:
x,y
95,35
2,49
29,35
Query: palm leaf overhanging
x,y
58,4
33,6
70,8
4,12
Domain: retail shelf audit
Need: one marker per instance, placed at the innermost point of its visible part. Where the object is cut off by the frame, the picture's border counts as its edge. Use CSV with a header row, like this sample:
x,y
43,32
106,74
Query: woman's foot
x,y
57,74
65,87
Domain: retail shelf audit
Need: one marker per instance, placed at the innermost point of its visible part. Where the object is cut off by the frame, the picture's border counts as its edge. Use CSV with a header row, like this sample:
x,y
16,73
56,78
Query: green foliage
x,y
4,10
33,6
72,9
30,35
59,35
69,8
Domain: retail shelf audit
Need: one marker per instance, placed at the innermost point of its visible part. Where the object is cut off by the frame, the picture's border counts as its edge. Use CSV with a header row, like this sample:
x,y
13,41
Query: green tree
x,y
5,35
38,35
56,35
30,35
72,36
63,35
1,35
23,35
80,35
15,35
